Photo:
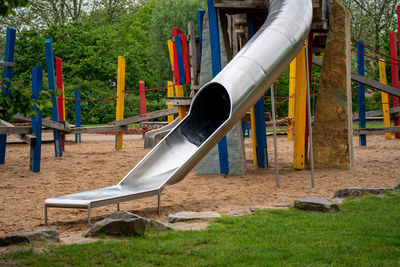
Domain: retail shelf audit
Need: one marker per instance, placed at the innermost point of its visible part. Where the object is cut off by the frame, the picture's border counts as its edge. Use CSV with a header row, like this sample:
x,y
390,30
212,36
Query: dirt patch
x,y
94,163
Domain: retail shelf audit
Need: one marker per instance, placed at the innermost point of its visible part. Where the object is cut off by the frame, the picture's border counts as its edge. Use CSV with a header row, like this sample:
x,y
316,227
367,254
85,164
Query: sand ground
x,y
94,163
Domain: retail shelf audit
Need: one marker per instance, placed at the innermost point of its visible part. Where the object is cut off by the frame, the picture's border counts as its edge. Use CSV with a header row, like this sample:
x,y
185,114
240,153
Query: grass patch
x,y
365,233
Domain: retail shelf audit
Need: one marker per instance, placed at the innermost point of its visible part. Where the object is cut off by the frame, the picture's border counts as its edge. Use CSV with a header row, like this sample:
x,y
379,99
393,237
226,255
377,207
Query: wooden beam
x,y
24,137
179,101
380,130
394,112
60,126
366,81
6,64
147,116
15,130
98,129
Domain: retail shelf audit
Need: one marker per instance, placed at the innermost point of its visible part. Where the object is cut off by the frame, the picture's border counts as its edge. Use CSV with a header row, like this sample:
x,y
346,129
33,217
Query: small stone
x,y
282,206
191,215
124,215
254,209
376,191
35,235
337,200
357,191
158,225
108,226
238,213
316,204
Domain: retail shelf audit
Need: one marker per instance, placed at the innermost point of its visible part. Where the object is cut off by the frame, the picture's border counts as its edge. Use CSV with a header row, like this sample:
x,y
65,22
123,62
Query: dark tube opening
x,y
210,110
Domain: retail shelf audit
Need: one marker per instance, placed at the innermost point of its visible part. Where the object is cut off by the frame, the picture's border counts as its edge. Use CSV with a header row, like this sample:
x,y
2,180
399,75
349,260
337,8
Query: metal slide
x,y
215,109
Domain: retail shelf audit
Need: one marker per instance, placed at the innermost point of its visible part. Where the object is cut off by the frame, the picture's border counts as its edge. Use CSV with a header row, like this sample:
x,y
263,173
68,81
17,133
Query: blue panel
x,y
361,95
259,112
216,68
52,86
179,54
7,73
36,120
200,17
77,115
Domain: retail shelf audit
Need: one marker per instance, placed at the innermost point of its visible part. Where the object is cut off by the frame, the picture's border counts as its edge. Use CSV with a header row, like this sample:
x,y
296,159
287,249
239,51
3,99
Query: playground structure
x,y
120,125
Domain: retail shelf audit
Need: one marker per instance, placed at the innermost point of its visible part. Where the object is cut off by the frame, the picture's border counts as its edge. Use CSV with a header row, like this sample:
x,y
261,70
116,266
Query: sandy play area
x,y
94,163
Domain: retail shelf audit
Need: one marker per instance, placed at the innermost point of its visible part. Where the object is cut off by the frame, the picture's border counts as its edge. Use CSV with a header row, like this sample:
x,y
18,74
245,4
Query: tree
x,y
7,6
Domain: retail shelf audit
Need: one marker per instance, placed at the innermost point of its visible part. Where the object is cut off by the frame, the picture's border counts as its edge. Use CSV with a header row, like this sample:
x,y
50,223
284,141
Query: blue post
x,y
52,86
261,130
77,115
179,55
216,68
200,17
36,120
361,95
7,73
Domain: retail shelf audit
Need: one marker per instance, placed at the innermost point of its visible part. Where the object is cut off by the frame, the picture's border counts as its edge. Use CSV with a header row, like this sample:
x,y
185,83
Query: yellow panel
x,y
292,86
385,99
181,109
170,93
171,53
253,134
120,100
300,111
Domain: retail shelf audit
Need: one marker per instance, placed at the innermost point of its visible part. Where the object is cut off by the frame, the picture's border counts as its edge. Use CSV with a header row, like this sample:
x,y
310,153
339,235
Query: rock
x,y
376,191
158,225
357,191
316,204
396,187
35,235
191,215
128,227
255,208
282,206
238,213
337,200
124,215
191,225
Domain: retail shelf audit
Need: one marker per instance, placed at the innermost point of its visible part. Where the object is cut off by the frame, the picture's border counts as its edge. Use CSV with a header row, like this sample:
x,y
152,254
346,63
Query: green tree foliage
x,y
7,6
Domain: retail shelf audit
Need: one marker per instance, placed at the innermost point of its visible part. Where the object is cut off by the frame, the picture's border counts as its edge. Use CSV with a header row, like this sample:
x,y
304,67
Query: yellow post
x,y
171,53
300,111
385,99
292,86
253,134
170,93
120,100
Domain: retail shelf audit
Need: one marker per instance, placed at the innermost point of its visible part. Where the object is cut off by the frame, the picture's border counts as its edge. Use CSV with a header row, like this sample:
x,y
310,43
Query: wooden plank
x,y
6,64
377,113
247,4
147,116
15,130
60,126
380,130
24,137
366,81
99,129
179,101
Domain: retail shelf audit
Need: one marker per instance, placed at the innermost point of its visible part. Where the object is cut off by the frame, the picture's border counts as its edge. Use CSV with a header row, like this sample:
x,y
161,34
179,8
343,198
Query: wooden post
x,y
36,120
300,111
200,17
361,95
170,93
120,100
179,72
60,97
185,58
292,86
142,94
395,75
216,68
7,73
385,99
78,137
192,55
253,134
52,86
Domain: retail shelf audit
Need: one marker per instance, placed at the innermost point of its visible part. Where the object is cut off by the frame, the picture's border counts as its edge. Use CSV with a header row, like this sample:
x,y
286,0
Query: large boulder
x,y
191,216
238,213
35,235
158,225
124,215
109,226
356,191
316,204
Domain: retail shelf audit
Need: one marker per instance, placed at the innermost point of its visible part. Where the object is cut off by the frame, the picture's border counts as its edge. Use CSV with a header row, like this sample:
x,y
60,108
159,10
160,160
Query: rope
x,y
373,50
375,58
151,89
91,100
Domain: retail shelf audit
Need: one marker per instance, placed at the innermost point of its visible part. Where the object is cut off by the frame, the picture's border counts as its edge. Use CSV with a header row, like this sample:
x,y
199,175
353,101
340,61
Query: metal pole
x,y
309,117
159,203
45,215
275,141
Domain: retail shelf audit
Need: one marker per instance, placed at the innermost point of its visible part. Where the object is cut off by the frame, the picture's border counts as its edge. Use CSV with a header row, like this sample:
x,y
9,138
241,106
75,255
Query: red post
x,y
60,98
395,74
175,32
142,95
185,58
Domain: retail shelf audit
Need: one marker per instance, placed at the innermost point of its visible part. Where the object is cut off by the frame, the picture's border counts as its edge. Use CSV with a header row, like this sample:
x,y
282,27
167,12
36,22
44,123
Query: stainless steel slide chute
x,y
215,109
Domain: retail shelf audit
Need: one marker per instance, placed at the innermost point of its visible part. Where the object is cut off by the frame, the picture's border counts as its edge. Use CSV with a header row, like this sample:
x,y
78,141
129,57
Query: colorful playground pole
x,y
259,114
216,68
120,100
171,54
385,98
361,94
185,58
60,98
292,86
200,17
36,120
395,75
170,93
78,137
52,86
253,134
300,111
179,72
142,95
7,73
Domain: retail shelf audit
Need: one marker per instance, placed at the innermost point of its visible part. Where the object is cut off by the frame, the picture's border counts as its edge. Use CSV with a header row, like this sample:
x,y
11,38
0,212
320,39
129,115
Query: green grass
x,y
371,125
365,233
